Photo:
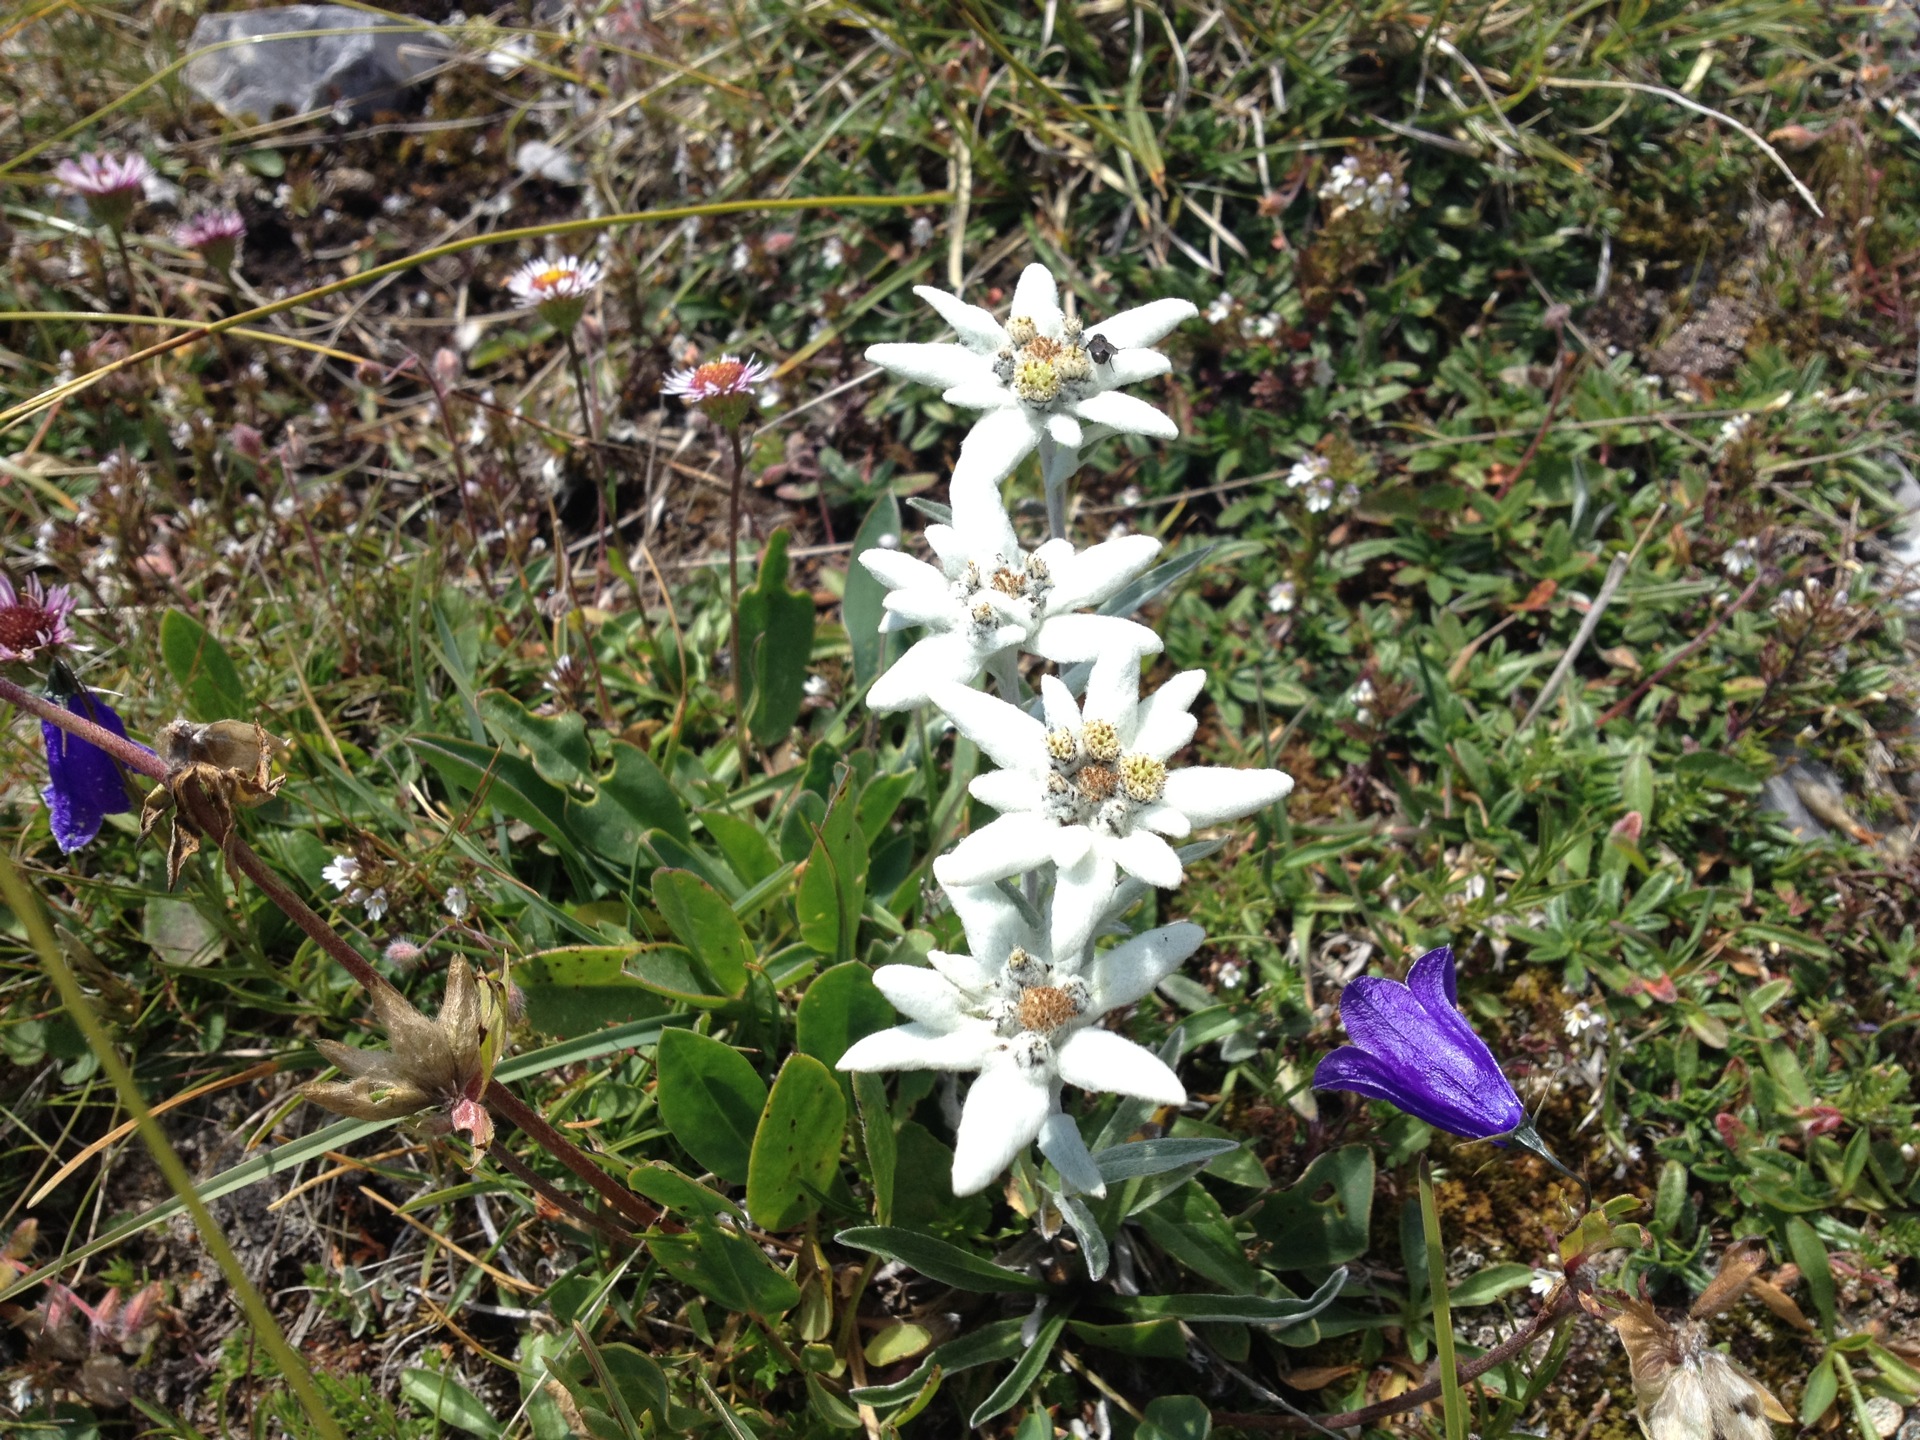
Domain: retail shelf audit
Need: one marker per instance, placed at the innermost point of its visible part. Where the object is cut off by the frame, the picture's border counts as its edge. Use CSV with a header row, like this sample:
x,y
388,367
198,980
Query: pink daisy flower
x,y
558,277
33,619
720,387
110,184
215,234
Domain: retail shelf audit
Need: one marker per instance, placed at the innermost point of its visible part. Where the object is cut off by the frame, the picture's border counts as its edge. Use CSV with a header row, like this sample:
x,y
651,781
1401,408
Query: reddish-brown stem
x,y
557,1198
1620,707
1563,1304
241,856
733,595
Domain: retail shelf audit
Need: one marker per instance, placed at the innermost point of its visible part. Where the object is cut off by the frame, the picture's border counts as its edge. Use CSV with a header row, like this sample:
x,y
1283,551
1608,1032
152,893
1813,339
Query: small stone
x,y
1886,1414
358,72
542,161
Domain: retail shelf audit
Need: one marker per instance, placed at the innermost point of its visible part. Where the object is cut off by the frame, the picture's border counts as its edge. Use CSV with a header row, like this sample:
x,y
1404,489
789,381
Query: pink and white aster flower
x,y
1028,1025
557,277
722,388
104,177
1041,379
988,597
216,234
33,619
1089,790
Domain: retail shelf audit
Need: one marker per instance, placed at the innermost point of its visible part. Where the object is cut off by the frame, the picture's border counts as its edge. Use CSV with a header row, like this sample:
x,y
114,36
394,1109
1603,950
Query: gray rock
x,y
262,77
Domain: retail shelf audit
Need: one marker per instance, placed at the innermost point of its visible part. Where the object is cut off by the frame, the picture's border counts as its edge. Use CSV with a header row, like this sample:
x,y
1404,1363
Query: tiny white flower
x,y
340,872
1362,697
1028,1023
741,257
1738,558
376,903
833,255
1583,1018
989,596
1220,309
1266,327
920,233
1281,596
456,902
1732,431
1230,975
1040,376
1307,472
1089,789
1542,1281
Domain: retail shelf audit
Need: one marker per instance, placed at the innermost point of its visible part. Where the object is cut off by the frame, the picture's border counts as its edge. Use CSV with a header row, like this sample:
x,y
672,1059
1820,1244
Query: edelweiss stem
x,y
242,857
733,597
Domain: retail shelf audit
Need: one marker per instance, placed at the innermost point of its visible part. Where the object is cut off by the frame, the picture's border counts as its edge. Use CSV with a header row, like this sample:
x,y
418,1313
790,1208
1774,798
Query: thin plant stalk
x,y
241,856
126,267
1453,1398
25,904
734,491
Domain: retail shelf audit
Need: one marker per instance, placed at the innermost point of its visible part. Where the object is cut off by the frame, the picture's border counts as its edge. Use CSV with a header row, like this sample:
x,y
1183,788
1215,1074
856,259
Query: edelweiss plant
x,y
1087,797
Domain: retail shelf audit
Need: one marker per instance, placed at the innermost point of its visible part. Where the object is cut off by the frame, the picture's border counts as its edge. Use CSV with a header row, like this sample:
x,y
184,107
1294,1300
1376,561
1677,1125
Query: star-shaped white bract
x,y
1028,1026
1089,789
988,596
1040,376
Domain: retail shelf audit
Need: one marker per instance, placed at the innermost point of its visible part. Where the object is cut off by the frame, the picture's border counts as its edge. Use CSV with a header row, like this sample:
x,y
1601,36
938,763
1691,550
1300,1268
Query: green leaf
x,y
876,1132
664,1185
1483,1287
1145,1339
1724,772
796,1148
997,1340
1190,1226
630,802
861,607
1175,1417
704,922
832,888
1823,1388
711,1099
1020,1379
938,1260
1154,1157
202,669
776,632
1309,1233
671,971
449,1402
1242,1309
840,1006
727,1268
510,784
557,744
1811,1256
582,988
748,851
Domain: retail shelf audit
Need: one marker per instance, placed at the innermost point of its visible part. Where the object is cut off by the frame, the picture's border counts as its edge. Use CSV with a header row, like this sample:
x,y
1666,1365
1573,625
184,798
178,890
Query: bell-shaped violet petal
x,y
84,781
1414,1049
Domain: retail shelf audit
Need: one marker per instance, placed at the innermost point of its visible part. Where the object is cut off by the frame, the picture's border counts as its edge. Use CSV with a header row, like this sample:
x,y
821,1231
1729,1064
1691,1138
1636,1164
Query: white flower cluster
x,y
1353,187
1311,477
1087,795
343,873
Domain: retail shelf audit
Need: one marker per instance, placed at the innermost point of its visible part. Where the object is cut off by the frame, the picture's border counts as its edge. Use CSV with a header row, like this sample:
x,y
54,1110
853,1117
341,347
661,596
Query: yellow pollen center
x,y
1102,740
1009,582
1145,778
1045,1008
718,375
1043,347
547,279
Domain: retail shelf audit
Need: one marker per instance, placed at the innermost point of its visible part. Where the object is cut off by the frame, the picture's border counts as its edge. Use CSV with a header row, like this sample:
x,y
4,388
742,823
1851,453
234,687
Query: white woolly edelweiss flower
x,y
1089,789
1028,1025
1040,378
989,596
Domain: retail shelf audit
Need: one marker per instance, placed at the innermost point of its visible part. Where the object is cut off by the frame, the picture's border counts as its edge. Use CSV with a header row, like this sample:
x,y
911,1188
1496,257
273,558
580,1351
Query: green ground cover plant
x,y
456,991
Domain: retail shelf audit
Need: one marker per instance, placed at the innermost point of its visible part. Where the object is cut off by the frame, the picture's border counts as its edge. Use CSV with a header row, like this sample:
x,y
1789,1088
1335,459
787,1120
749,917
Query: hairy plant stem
x,y
25,905
733,592
1562,1306
241,856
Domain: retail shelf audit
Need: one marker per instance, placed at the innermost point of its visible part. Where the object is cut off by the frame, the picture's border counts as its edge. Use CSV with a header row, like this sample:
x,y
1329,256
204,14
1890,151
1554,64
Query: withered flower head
x,y
443,1064
1683,1388
230,763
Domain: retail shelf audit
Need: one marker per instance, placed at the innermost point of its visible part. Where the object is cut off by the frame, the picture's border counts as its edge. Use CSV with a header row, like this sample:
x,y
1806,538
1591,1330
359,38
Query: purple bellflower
x,y
1413,1048
85,784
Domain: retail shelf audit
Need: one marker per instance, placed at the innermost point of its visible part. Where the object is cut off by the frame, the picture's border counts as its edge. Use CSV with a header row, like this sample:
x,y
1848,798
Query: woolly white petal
x,y
1080,895
918,607
936,660
1065,430
1211,795
1072,639
923,995
1145,855
1163,819
972,976
1061,709
1070,844
1164,724
1055,554
1130,367
1124,414
977,328
943,366
1038,299
1113,691
993,923
1098,572
1061,1142
918,1047
903,572
945,542
998,441
1006,790
1004,1111
1097,1059
1006,734
1130,970
1007,846
985,533
988,394
1146,324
